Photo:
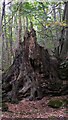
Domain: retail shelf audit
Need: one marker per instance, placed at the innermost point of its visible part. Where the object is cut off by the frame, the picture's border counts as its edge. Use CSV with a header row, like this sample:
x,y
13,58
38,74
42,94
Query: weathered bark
x,y
34,73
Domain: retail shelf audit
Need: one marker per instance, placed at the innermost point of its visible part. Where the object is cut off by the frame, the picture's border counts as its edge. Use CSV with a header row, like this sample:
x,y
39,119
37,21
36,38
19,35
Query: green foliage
x,y
15,8
41,14
27,8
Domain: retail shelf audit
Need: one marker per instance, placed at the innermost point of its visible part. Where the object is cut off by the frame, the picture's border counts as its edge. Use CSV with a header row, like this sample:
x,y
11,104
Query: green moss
x,y
55,103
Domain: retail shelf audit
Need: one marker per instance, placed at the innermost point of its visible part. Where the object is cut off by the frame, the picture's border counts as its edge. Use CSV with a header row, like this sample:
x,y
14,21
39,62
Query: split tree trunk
x,y
33,74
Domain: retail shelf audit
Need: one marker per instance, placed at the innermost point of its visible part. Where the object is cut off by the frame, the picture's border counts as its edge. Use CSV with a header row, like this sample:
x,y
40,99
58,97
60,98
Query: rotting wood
x,y
33,71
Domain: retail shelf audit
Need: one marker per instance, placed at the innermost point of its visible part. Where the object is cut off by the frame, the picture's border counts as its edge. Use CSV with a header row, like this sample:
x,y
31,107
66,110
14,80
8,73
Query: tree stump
x,y
33,73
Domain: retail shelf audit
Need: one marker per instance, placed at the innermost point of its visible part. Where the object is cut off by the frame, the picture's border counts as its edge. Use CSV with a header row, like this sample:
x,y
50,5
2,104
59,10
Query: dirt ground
x,y
35,109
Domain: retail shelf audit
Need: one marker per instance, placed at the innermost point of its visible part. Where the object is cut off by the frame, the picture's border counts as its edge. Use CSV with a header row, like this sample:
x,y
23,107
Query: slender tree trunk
x,y
16,31
10,29
63,19
5,50
59,7
26,23
65,45
54,14
20,27
0,43
6,41
67,29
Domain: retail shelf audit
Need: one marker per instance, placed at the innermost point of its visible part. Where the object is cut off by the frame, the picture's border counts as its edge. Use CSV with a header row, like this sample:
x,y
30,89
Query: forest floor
x,y
35,109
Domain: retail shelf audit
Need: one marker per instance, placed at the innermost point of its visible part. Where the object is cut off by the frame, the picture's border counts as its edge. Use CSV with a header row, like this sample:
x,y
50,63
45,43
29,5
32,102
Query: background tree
x,y
64,52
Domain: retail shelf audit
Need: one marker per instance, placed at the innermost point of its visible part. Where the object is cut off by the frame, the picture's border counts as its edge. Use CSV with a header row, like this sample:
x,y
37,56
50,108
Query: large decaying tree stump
x,y
33,74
